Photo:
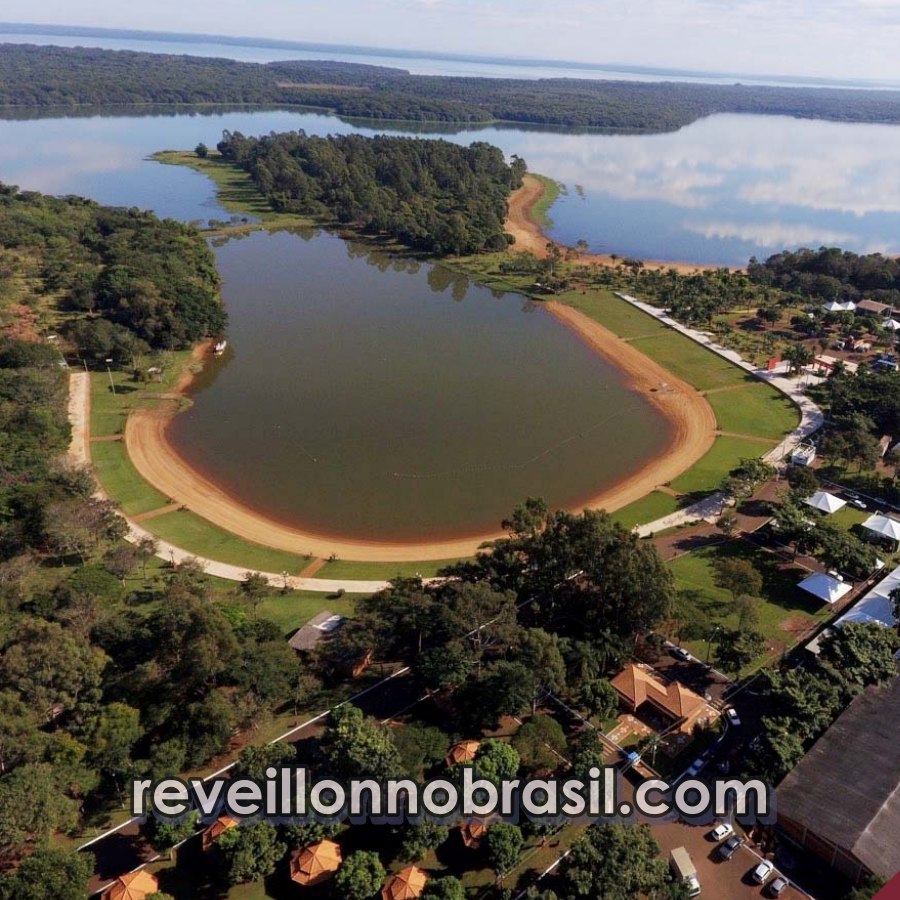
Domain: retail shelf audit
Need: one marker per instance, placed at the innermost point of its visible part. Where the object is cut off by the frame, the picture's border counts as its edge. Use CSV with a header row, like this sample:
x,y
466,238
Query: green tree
x,y
497,760
599,698
165,835
356,745
360,877
862,653
503,843
250,852
201,150
114,732
447,888
738,576
48,874
539,652
419,839
255,759
540,743
736,649
616,862
420,747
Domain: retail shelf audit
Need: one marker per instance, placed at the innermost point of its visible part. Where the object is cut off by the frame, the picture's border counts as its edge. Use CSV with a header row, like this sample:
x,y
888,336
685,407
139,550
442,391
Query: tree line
x,y
430,195
33,76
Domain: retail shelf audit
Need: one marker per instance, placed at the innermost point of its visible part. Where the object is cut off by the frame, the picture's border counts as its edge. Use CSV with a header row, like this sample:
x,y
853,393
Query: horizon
x,y
748,40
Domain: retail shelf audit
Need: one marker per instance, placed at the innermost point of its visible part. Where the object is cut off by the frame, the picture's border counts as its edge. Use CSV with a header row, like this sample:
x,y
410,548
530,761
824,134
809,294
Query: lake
x,y
385,399
375,398
717,192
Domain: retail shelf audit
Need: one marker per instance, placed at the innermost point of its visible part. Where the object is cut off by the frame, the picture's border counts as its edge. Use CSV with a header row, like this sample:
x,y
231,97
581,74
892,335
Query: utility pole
x,y
112,384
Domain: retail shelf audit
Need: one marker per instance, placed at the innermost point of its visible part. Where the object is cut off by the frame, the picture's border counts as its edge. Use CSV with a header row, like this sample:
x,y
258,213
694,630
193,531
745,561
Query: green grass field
x,y
706,475
756,409
121,480
290,611
192,533
652,507
782,608
377,571
540,212
615,314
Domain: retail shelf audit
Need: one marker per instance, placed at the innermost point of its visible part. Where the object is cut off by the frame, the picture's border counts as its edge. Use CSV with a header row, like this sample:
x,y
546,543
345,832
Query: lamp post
x,y
709,641
112,385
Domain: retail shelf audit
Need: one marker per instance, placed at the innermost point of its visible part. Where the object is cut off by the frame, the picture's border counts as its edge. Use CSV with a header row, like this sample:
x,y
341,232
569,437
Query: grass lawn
x,y
723,456
615,314
756,409
847,517
291,611
540,212
121,480
377,571
652,507
192,533
783,609
689,361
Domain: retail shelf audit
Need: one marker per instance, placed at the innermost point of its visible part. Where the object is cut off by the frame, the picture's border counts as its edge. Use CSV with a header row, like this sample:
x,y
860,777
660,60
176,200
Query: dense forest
x,y
430,195
33,76
133,281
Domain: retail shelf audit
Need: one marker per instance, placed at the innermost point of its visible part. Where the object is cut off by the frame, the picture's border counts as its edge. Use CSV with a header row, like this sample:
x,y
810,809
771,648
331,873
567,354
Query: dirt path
x,y
692,419
531,238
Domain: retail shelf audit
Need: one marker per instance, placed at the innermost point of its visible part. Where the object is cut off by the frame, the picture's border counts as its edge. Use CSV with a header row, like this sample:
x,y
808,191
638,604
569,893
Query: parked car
x,y
720,832
730,847
777,887
696,767
859,504
762,872
733,717
682,654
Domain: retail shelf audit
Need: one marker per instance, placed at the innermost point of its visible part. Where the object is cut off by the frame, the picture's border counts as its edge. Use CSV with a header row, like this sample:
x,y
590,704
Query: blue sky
x,y
830,38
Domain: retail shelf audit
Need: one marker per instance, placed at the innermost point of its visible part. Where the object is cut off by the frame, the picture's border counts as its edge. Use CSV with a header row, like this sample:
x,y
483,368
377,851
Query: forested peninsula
x,y
36,77
430,195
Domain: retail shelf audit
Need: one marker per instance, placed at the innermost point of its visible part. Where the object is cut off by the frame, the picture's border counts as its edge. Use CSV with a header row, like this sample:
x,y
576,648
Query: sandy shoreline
x,y
154,457
531,238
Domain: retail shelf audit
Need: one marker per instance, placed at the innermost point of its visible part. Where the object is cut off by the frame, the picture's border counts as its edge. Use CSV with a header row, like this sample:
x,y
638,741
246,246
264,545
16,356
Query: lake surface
x,y
717,192
386,399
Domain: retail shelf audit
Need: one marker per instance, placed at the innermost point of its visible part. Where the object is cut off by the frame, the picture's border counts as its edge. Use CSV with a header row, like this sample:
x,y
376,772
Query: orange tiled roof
x,y
133,886
316,863
473,832
406,885
217,829
463,752
639,685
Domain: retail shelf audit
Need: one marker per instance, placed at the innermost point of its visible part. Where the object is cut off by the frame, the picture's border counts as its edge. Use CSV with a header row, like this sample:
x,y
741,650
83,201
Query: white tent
x,y
835,306
884,526
891,325
825,587
825,502
876,606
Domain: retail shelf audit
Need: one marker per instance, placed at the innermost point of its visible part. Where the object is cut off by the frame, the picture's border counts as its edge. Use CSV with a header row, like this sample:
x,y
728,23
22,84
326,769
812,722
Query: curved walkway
x,y
811,416
811,419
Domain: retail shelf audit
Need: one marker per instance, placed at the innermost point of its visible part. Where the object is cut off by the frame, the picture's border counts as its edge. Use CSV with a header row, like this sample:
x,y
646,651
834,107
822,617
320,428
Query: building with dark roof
x,y
315,630
842,800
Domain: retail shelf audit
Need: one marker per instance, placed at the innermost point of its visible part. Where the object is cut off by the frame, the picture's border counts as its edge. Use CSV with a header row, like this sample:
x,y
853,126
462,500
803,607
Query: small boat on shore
x,y
220,347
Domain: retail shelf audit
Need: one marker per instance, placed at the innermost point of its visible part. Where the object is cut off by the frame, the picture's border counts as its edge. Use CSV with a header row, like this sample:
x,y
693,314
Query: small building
x,y
884,528
462,753
406,885
473,832
638,685
316,864
317,629
216,830
842,800
825,502
872,308
133,886
825,587
803,455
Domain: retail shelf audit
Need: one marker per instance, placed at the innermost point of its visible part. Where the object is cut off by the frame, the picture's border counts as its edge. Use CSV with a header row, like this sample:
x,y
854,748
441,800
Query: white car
x,y
763,872
720,832
733,717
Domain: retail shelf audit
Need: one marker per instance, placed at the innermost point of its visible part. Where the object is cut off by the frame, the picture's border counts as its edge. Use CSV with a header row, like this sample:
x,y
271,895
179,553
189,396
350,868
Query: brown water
x,y
376,398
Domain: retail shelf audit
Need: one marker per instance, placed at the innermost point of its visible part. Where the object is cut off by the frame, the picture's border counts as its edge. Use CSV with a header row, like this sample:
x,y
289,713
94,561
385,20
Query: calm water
x,y
717,192
377,398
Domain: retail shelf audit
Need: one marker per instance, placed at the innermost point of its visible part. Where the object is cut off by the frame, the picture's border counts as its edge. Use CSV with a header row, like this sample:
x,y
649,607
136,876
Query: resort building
x,y
856,760
639,686
406,885
315,864
133,886
472,833
462,753
217,829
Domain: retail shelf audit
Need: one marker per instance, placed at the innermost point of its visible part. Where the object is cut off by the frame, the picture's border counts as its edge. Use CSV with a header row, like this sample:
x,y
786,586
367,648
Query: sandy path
x,y
691,417
529,236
